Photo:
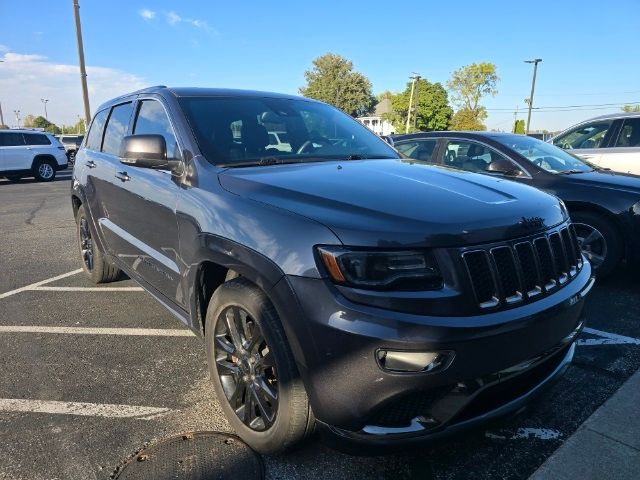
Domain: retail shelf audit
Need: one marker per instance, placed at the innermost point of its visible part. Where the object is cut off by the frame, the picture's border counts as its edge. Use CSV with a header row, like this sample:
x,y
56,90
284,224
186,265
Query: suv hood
x,y
393,203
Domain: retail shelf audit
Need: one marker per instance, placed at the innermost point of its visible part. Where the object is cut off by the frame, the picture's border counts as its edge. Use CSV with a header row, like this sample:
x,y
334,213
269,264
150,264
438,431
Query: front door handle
x,y
123,176
90,164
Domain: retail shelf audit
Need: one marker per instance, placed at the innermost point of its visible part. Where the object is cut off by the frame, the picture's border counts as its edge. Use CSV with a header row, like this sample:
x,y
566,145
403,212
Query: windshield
x,y
239,131
544,155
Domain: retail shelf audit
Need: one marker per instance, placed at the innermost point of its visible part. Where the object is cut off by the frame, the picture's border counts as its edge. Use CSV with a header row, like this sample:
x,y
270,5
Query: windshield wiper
x,y
573,170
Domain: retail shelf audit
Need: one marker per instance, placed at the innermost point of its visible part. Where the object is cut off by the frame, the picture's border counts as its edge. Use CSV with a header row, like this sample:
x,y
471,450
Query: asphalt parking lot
x,y
91,375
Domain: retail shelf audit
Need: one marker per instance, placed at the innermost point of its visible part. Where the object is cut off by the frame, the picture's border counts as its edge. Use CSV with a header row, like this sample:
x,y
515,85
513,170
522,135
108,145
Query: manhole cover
x,y
195,456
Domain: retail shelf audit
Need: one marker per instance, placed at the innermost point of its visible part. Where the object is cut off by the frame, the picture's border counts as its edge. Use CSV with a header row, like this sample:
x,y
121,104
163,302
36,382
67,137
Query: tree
x,y
631,108
31,121
465,119
468,85
433,109
333,80
518,127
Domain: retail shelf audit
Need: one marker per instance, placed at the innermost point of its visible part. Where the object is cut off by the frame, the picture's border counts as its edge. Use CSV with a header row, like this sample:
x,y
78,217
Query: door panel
x,y
142,218
15,155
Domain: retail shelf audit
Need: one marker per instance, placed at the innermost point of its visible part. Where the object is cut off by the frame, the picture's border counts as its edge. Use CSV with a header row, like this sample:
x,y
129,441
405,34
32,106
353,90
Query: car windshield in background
x,y
544,155
241,131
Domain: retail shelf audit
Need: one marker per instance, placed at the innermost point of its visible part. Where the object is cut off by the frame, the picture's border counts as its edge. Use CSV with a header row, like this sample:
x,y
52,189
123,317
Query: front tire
x,y
44,170
93,262
600,241
253,370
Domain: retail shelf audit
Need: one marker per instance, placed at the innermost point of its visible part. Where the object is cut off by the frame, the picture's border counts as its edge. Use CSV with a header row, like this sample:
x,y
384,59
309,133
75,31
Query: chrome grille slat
x,y
524,270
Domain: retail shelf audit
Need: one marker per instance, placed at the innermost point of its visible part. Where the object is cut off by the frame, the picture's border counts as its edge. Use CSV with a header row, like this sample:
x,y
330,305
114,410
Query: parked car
x,y
609,141
336,285
71,144
28,153
279,141
604,205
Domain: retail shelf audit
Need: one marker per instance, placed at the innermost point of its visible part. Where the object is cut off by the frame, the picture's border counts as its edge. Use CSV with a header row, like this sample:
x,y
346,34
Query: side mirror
x,y
504,167
146,151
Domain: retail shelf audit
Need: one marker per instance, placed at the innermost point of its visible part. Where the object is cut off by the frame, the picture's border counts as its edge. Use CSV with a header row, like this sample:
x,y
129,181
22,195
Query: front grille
x,y
508,274
401,411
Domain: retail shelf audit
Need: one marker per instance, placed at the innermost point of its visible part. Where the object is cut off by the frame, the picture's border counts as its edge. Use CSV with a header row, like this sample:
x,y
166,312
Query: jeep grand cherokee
x,y
336,284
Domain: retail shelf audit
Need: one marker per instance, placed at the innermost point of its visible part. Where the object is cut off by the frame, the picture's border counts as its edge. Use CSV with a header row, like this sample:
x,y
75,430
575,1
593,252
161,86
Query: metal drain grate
x,y
195,456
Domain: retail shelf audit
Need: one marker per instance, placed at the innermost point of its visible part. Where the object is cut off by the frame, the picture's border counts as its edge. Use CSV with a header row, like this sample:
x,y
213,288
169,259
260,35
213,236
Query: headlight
x,y
388,270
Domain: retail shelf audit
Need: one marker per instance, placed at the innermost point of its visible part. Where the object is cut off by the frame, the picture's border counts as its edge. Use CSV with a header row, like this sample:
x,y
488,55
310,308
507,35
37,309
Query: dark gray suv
x,y
337,285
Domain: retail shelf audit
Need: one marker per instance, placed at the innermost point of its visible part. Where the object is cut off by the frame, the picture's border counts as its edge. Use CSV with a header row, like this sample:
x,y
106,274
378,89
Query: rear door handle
x,y
90,164
123,176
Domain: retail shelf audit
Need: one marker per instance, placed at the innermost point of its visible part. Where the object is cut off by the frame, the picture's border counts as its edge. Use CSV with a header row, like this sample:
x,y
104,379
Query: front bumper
x,y
349,392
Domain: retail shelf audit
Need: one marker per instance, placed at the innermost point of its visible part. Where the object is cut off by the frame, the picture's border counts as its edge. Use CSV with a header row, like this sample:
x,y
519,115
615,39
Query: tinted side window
x,y
94,140
630,133
11,139
418,149
474,157
36,139
152,119
117,127
586,136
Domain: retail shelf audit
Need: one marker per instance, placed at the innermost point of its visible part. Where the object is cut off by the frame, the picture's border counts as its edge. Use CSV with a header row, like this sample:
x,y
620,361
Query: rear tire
x,y
44,170
93,262
270,410
600,241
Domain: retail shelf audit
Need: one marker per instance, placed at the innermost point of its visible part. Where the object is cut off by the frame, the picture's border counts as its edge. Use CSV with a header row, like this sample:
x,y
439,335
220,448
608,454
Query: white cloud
x,y
4,48
26,78
147,14
173,19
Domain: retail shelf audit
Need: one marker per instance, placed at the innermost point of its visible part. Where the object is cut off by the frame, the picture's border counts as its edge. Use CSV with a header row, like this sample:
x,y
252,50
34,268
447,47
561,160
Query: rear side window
x,y
94,140
418,149
630,133
116,128
36,139
153,120
11,139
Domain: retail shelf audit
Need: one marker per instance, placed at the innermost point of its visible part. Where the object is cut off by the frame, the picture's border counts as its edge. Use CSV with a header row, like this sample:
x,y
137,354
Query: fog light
x,y
414,362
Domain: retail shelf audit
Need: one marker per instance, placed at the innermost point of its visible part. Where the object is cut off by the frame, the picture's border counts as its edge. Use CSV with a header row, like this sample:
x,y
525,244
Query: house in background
x,y
375,122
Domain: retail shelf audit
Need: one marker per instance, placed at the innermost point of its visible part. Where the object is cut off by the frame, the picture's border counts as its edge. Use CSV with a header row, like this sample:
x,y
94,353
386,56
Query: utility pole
x,y
17,114
83,71
415,108
515,119
413,86
533,87
45,100
1,115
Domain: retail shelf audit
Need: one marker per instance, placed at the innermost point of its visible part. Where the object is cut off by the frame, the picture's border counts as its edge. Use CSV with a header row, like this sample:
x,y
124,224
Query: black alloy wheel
x,y
246,368
592,242
86,244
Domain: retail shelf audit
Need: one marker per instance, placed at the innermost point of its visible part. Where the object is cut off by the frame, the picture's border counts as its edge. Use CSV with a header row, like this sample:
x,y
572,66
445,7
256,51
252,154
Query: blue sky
x,y
589,51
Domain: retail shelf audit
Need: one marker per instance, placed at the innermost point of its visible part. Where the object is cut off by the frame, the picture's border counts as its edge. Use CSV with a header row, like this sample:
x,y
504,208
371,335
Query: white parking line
x,y
37,284
141,332
607,338
86,289
81,408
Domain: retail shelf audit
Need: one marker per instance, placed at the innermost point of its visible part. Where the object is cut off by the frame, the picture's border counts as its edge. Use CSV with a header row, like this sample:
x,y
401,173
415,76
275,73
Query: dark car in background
x,y
71,145
604,205
336,284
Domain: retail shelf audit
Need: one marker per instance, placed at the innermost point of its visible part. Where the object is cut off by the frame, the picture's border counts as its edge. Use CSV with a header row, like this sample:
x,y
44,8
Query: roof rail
x,y
148,89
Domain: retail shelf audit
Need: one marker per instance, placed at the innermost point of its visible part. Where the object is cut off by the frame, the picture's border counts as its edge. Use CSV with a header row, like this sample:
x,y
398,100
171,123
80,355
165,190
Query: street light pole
x,y
83,71
533,87
45,100
17,113
415,108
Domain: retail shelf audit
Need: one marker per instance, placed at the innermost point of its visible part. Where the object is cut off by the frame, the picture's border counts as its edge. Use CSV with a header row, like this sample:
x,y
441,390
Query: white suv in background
x,y
609,141
30,153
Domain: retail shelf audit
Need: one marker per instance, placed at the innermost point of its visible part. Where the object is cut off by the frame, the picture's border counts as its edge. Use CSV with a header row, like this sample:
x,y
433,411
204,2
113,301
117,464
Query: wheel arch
x,y
220,260
43,157
613,219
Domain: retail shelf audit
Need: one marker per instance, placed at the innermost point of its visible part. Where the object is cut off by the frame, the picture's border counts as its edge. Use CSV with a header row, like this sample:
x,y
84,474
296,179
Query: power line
x,y
606,105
